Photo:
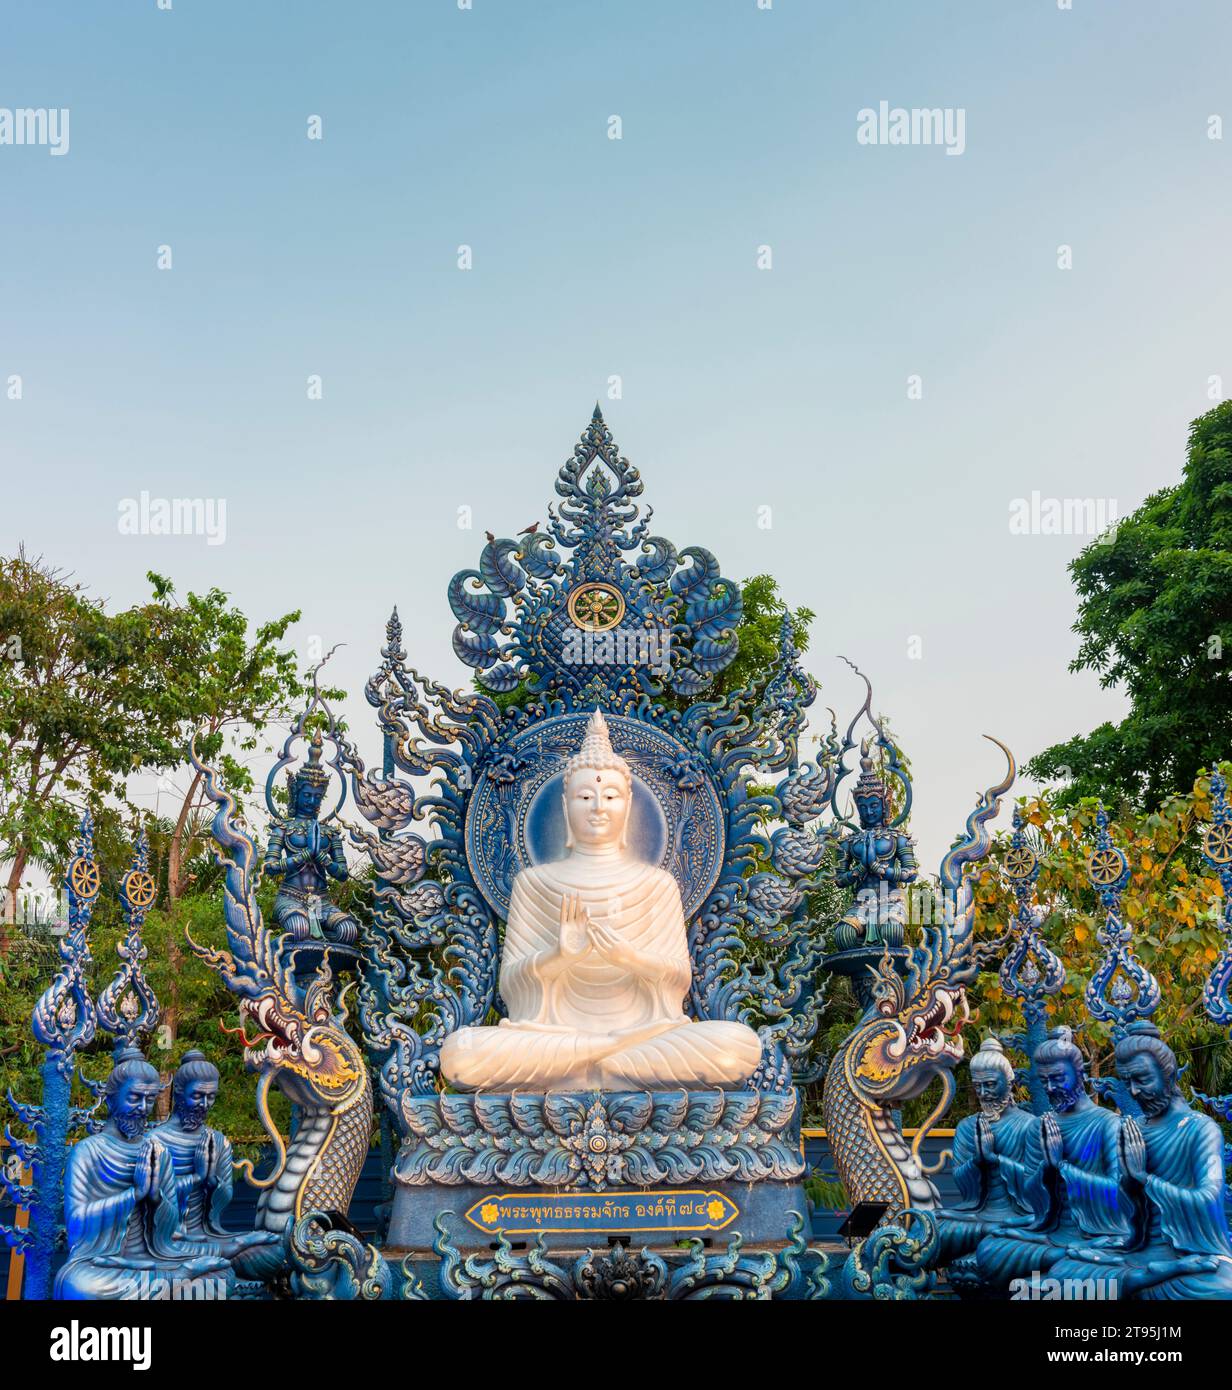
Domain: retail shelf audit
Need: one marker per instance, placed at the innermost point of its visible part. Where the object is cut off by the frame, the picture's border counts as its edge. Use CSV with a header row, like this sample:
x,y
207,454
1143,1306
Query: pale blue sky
x,y
592,257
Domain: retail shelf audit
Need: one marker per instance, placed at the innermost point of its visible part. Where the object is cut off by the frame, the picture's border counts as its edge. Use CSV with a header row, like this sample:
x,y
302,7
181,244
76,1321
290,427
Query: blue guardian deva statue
x,y
306,855
877,861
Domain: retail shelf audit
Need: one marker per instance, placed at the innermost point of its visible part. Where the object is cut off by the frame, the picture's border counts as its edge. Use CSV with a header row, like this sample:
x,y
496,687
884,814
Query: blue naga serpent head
x,y
299,1044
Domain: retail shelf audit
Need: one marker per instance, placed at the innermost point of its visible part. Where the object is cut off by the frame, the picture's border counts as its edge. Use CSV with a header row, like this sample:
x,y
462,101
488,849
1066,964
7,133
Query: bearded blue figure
x,y
1070,1176
877,861
121,1208
203,1163
1173,1178
306,855
989,1168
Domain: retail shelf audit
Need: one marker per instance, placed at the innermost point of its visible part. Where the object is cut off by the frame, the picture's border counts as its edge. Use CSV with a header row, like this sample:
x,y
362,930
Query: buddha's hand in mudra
x,y
575,928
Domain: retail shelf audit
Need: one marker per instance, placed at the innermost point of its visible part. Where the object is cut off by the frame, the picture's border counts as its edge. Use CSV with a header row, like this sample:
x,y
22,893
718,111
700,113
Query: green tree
x,y
1155,618
214,680
75,718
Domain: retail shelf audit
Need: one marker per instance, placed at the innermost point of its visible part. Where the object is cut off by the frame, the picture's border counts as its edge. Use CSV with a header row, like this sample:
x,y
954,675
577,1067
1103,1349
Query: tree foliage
x,y
1155,619
1172,902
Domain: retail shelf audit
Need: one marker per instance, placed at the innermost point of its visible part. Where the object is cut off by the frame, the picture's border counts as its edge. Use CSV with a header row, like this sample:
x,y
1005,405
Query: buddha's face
x,y
194,1102
131,1105
1147,1083
597,807
1061,1082
992,1090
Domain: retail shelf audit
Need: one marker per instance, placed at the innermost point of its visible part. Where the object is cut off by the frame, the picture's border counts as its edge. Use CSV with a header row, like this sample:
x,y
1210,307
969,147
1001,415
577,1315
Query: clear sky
x,y
741,388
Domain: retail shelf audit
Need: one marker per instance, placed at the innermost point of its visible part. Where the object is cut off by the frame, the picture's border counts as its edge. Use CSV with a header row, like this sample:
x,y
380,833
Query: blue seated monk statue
x,y
306,855
121,1209
203,1163
1173,1177
1072,1176
988,1160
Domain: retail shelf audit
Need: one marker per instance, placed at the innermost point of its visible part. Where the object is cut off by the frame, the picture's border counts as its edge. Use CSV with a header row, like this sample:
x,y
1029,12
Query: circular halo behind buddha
x,y
514,818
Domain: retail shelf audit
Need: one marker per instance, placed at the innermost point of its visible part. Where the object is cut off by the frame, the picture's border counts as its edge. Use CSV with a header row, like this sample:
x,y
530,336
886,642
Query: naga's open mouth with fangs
x,y
274,1030
928,1031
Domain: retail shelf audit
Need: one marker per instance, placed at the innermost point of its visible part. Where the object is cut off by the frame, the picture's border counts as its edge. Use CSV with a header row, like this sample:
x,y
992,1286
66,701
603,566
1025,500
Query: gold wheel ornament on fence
x,y
1217,843
596,607
83,878
1020,863
1107,866
139,888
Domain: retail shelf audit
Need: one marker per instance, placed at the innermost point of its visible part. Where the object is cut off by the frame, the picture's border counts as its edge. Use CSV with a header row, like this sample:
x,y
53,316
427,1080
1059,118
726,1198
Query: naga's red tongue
x,y
239,1032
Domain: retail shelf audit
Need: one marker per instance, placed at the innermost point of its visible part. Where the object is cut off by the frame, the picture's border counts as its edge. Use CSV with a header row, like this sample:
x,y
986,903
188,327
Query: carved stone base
x,y
578,1168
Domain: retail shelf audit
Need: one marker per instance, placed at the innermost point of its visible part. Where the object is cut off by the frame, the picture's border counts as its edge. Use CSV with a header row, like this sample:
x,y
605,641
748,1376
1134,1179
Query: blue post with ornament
x,y
64,1021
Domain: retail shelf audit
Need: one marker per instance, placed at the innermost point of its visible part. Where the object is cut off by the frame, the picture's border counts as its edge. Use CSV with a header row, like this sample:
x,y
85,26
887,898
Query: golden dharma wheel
x,y
1107,865
1217,843
1020,862
596,607
83,878
139,888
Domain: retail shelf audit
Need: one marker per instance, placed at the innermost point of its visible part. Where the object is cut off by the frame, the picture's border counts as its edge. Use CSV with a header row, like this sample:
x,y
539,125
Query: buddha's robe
x,y
120,1247
1075,1203
598,1024
1180,1212
986,1198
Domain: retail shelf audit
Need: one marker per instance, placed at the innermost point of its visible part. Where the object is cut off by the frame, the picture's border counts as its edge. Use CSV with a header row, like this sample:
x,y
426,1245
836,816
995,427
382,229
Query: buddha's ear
x,y
564,806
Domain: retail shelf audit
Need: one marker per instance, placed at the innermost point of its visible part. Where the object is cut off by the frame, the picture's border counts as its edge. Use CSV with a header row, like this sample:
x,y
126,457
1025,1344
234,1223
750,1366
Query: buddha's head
x,y
598,792
992,1079
1061,1070
131,1091
1147,1065
194,1090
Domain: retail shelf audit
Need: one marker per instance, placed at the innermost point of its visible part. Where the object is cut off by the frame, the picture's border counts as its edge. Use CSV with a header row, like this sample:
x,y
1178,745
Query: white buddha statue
x,y
596,964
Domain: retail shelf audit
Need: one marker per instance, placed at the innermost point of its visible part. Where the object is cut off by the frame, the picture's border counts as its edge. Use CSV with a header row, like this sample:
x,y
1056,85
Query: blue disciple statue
x,y
1073,1174
202,1160
877,860
121,1209
988,1163
1173,1179
306,855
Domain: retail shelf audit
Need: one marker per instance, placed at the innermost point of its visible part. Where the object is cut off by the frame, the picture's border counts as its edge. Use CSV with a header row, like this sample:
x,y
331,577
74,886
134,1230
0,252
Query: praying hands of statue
x,y
205,1157
1051,1141
145,1171
1133,1151
985,1142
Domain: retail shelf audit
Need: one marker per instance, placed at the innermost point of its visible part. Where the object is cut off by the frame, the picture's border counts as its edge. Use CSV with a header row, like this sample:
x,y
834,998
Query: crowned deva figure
x,y
1173,1180
121,1207
203,1164
989,1149
596,966
307,854
877,860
